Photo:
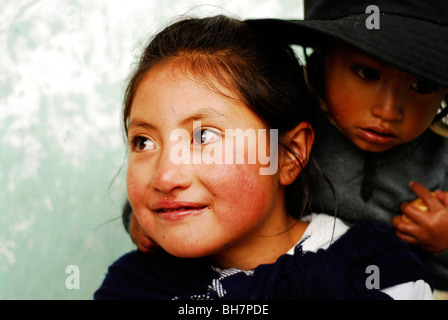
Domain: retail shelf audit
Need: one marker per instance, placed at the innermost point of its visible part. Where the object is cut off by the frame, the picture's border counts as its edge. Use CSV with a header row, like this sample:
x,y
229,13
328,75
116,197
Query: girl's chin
x,y
188,250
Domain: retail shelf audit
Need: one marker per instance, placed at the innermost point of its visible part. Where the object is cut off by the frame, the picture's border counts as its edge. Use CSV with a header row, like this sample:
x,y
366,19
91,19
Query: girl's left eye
x,y
205,136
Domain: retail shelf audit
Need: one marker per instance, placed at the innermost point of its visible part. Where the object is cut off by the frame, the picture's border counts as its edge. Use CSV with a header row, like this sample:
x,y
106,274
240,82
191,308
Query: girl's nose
x,y
170,176
389,105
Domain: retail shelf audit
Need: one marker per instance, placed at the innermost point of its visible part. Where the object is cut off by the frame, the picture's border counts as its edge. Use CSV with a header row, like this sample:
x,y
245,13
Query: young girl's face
x,y
374,104
196,209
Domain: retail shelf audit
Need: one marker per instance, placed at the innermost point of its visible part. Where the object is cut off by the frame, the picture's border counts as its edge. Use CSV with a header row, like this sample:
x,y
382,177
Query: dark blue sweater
x,y
338,272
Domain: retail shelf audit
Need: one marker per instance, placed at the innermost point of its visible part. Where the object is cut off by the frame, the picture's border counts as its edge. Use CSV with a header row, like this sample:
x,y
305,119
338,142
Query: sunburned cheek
x,y
241,186
134,190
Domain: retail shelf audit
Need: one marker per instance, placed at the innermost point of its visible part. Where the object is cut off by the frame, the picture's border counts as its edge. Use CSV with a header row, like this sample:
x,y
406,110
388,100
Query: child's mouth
x,y
377,135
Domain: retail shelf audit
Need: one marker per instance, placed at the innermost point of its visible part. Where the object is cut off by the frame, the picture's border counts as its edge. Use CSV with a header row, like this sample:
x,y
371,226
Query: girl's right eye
x,y
366,73
140,143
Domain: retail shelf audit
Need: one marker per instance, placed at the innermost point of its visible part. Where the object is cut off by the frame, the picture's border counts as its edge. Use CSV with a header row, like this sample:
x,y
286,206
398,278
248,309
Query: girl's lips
x,y
174,211
377,135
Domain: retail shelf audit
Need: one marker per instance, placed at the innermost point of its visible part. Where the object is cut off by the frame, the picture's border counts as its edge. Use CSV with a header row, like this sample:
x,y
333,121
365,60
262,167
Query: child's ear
x,y
299,141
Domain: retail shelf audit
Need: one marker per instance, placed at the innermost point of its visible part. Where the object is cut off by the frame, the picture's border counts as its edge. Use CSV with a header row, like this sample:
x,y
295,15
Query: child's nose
x,y
389,105
170,176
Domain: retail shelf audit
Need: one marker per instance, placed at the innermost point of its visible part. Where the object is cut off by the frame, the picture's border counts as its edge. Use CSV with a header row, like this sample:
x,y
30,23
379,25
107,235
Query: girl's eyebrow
x,y
142,124
200,115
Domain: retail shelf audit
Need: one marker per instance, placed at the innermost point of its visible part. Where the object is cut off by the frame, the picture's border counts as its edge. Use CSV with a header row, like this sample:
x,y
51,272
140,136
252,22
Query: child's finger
x,y
442,196
425,195
413,213
407,238
147,246
421,191
408,228
143,248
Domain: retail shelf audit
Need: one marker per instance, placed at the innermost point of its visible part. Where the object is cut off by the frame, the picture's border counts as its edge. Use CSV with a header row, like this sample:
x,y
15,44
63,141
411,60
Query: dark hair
x,y
263,72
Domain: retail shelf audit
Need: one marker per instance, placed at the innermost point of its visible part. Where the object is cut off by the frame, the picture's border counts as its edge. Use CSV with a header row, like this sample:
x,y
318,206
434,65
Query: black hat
x,y
411,35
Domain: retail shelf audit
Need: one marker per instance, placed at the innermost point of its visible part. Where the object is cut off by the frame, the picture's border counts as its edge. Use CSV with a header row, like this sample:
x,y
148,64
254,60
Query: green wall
x,y
62,71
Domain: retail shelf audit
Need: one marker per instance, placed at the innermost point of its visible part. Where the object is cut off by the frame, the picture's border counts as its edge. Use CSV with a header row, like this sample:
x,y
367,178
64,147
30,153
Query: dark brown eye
x,y
205,136
142,144
424,87
366,73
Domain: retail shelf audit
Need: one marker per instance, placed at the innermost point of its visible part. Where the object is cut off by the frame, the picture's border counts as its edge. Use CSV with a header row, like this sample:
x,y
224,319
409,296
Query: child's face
x,y
190,209
376,105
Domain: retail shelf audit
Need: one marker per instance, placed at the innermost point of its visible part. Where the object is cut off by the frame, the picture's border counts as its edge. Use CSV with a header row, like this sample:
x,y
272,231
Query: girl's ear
x,y
299,142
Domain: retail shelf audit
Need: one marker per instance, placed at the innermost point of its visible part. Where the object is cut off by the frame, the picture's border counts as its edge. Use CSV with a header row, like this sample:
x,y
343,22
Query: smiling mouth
x,y
179,213
177,209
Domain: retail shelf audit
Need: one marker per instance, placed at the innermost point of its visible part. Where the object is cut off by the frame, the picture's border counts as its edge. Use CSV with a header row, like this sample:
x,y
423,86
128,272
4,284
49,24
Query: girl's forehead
x,y
211,77
174,94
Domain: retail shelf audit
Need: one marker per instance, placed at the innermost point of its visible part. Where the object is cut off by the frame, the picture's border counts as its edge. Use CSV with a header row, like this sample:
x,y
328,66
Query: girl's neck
x,y
261,249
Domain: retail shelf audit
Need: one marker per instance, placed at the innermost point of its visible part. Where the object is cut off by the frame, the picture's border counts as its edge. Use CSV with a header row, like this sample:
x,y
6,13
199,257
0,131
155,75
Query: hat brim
x,y
411,45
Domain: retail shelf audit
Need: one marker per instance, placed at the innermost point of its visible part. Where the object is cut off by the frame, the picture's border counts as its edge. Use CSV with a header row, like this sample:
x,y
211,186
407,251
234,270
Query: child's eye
x,y
366,73
142,144
205,136
424,87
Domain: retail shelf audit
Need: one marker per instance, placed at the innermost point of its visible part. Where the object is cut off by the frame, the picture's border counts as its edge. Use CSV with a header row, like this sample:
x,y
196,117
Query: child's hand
x,y
140,238
426,229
